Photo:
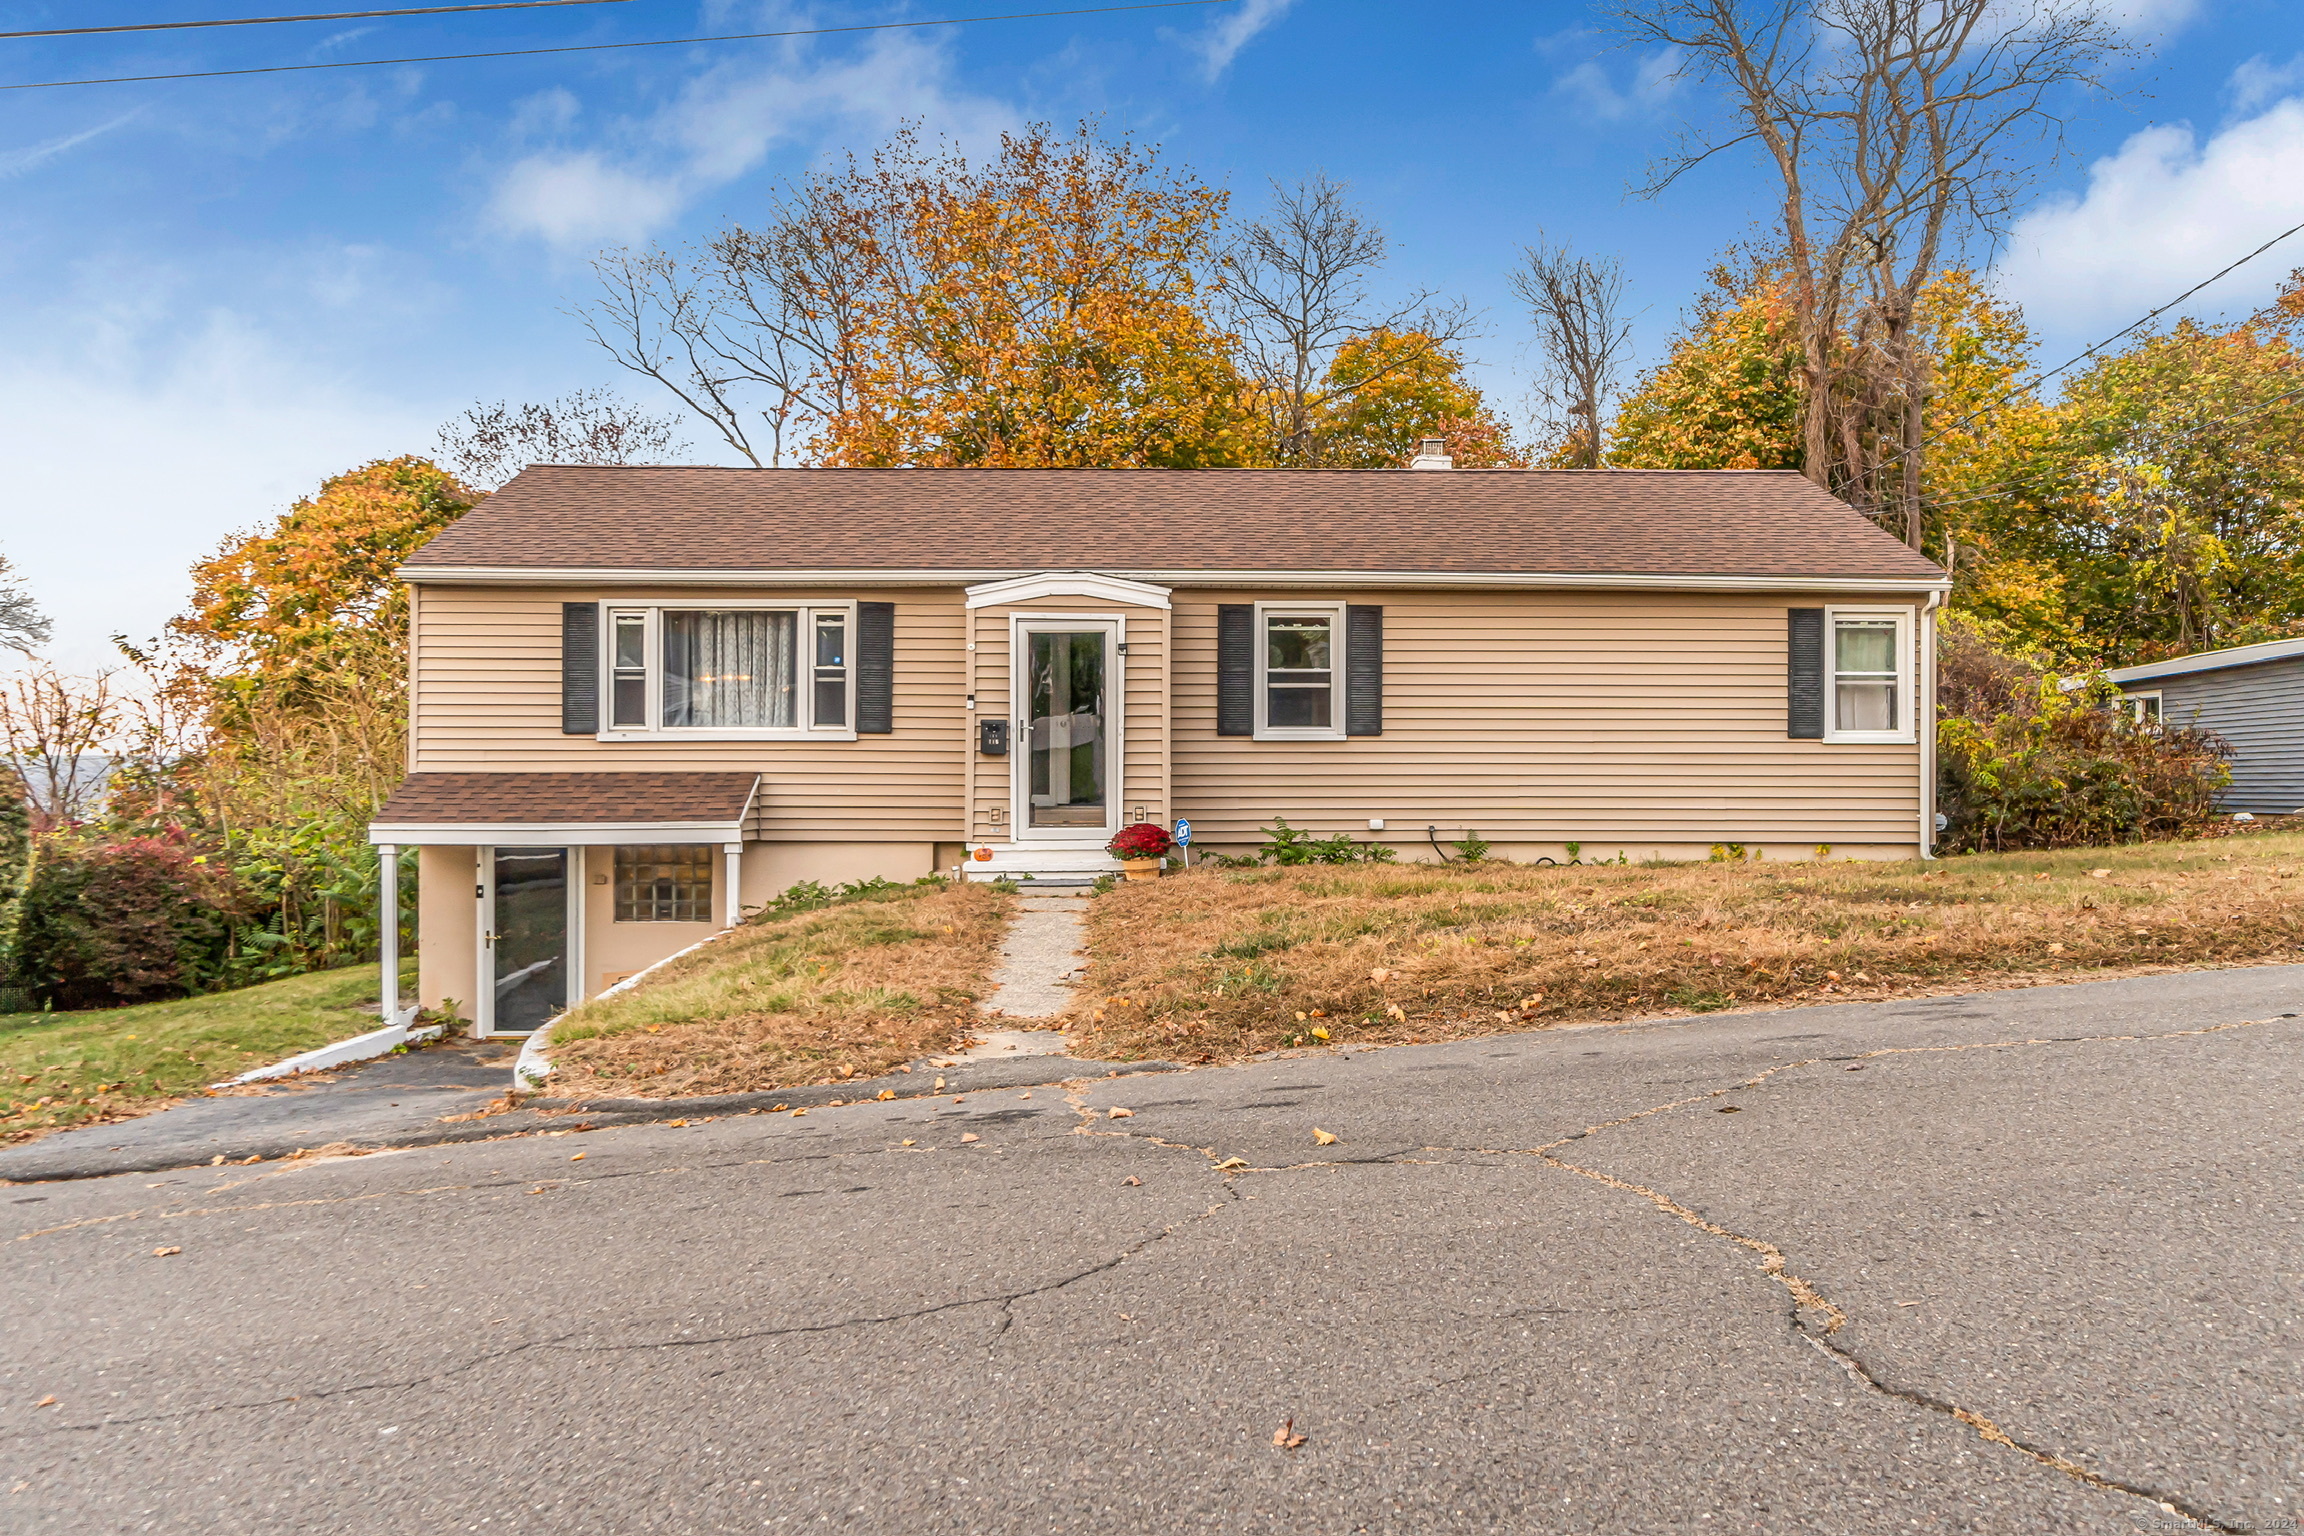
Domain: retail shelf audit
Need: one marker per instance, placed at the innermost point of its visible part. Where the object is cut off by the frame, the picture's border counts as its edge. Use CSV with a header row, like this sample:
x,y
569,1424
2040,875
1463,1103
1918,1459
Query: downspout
x,y
1926,715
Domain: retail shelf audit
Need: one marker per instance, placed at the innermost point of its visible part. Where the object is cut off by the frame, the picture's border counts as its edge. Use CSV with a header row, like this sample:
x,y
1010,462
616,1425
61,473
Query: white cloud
x,y
1655,80
15,162
2159,215
723,125
1220,42
580,199
2259,80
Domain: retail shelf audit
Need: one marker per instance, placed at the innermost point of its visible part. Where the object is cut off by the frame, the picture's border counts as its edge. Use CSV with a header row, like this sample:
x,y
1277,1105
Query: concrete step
x,y
1041,866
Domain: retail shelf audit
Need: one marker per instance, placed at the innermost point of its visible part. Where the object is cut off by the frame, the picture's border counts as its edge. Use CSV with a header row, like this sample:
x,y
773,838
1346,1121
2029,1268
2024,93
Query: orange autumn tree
x,y
1387,390
289,670
1728,395
1043,309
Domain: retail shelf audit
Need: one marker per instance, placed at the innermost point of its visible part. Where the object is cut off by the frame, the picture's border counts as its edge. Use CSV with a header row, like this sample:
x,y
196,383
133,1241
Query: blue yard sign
x,y
1183,833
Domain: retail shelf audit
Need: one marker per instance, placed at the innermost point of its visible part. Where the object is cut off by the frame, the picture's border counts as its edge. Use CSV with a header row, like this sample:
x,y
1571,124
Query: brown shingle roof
x,y
467,799
983,523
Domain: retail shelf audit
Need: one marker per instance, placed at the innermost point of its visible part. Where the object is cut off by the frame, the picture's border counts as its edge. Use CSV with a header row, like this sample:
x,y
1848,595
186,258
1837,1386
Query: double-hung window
x,y
1870,692
748,670
1299,671
2143,708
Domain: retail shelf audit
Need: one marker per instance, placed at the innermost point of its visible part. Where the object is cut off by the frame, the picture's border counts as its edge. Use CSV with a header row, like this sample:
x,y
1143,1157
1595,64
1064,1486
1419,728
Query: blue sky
x,y
213,292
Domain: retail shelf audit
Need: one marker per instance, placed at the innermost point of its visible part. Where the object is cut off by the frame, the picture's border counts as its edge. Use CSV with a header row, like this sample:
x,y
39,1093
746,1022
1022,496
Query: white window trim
x,y
1907,677
1334,614
2132,705
804,683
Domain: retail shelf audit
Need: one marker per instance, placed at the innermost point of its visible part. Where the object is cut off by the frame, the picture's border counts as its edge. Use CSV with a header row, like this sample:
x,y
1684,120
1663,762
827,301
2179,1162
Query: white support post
x,y
388,988
732,882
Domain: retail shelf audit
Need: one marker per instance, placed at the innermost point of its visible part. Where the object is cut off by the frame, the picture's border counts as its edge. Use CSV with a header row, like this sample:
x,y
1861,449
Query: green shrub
x,y
2066,769
814,896
1284,844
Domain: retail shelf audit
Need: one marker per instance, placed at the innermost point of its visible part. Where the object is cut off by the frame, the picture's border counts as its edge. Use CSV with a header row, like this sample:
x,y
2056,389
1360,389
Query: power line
x,y
266,21
2015,389
1991,492
661,42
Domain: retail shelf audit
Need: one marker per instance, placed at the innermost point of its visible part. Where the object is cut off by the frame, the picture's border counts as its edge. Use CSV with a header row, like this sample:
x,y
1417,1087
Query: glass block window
x,y
667,883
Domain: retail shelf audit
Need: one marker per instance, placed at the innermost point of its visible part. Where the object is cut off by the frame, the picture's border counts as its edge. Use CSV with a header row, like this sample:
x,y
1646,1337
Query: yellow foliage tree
x,y
1042,310
1388,389
1728,394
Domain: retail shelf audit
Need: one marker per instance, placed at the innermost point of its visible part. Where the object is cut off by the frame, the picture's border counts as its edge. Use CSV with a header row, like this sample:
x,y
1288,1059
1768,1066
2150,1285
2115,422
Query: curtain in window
x,y
732,668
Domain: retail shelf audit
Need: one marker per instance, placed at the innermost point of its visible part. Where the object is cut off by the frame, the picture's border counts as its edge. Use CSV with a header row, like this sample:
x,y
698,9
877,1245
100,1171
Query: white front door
x,y
1066,763
527,922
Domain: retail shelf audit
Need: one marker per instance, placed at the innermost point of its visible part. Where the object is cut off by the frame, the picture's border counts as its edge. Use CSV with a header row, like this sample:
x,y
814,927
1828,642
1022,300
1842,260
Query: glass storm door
x,y
1065,771
525,953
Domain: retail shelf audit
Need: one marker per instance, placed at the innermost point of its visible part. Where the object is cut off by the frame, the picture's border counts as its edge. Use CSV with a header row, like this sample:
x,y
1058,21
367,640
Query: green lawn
x,y
59,1069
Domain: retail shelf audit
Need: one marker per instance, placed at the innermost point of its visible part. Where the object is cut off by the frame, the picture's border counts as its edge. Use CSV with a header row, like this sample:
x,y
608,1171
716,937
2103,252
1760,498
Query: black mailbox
x,y
992,737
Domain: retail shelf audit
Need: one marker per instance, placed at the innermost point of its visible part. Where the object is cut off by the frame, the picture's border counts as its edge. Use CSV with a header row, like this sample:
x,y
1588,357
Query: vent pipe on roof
x,y
1432,453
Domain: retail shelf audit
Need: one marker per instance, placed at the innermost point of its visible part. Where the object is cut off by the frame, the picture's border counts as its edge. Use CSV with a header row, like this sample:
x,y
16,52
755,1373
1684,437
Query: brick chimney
x,y
1432,453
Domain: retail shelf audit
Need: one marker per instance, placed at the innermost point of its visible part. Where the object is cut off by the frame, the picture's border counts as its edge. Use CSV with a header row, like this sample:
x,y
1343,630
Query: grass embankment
x,y
850,991
1215,965
63,1069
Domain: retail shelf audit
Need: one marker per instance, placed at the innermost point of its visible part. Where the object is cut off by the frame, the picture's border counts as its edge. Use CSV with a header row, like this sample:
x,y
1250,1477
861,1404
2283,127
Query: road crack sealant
x,y
1815,1316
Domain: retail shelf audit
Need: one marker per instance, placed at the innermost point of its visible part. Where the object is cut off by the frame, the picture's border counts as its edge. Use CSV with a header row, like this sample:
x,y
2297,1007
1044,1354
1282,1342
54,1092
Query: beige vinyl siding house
x,y
643,700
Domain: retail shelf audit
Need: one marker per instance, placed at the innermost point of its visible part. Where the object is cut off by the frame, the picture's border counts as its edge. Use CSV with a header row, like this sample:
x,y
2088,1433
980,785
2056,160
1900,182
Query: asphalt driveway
x,y
2030,1267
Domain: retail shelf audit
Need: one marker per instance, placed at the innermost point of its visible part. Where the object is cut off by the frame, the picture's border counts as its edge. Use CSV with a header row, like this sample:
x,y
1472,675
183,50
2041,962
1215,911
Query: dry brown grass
x,y
849,991
1216,965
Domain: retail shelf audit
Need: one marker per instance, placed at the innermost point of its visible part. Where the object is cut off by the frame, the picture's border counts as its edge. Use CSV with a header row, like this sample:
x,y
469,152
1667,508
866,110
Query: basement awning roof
x,y
555,809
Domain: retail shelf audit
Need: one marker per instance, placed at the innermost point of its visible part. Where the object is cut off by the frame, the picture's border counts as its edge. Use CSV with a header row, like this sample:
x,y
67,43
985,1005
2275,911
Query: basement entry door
x,y
524,900
1067,724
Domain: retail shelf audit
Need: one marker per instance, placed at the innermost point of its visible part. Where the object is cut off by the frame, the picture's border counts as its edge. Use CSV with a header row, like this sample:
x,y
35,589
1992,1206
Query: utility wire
x,y
266,21
2046,374
660,42
1991,492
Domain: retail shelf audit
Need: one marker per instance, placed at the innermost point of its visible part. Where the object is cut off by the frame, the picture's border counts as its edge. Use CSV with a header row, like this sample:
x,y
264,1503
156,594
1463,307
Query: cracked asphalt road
x,y
1971,1286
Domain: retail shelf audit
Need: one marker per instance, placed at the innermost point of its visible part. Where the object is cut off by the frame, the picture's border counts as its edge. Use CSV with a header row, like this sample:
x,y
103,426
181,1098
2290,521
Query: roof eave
x,y
489,575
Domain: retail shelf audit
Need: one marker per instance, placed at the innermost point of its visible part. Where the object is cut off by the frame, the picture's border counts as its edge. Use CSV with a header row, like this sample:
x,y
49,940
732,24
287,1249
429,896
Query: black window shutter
x,y
1363,670
1235,669
875,669
579,669
1804,674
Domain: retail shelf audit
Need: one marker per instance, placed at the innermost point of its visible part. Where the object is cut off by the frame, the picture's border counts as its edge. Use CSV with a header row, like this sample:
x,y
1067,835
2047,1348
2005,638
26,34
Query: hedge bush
x,y
102,924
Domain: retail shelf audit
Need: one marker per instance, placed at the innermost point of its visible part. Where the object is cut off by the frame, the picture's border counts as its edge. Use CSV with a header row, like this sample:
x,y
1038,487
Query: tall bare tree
x,y
1584,339
1297,287
1899,130
490,443
57,736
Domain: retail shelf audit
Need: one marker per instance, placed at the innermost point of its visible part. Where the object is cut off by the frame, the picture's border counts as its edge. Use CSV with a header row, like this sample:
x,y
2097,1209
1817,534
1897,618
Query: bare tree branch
x,y
1297,287
22,624
1577,305
1898,131
489,444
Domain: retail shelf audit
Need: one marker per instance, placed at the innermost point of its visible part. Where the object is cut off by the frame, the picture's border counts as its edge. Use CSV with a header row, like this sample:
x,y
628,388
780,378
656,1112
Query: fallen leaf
x,y
796,1114
1286,1437
1301,1015
1380,974
219,1157
2099,874
1321,1138
939,1081
1731,1109
676,1124
579,1157
1117,1113
1828,976
46,1402
1232,1162
161,1253
969,1136
1856,1066
1133,1182
885,1093
908,1141
2055,949
1319,1034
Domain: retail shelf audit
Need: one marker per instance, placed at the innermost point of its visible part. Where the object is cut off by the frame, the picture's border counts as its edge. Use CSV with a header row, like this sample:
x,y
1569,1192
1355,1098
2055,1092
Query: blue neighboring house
x,y
2252,696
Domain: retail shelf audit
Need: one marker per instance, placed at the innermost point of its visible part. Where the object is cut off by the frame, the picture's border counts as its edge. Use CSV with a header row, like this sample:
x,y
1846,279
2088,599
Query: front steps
x,y
1039,866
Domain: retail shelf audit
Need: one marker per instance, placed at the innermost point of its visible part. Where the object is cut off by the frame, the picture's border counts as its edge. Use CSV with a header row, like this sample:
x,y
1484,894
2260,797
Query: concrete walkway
x,y
1039,961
